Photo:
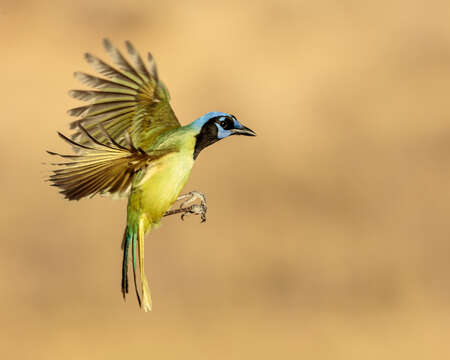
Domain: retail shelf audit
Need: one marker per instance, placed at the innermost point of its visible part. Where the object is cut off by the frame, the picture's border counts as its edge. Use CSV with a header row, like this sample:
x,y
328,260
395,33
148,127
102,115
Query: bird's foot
x,y
196,209
186,209
191,197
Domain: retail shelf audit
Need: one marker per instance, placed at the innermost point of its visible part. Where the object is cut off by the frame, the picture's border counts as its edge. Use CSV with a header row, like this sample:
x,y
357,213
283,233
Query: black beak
x,y
243,131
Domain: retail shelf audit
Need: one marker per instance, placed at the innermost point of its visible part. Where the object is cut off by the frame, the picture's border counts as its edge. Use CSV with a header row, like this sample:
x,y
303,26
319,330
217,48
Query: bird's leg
x,y
195,209
185,207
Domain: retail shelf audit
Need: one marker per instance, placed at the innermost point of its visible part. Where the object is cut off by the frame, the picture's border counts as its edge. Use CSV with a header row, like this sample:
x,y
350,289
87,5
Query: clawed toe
x,y
196,209
192,196
187,208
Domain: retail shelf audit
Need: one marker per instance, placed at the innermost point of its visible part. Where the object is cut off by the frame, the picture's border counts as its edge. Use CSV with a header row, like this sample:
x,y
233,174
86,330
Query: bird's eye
x,y
227,124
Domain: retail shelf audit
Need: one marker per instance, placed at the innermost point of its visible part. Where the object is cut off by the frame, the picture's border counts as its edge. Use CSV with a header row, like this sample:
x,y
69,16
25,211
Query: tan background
x,y
328,235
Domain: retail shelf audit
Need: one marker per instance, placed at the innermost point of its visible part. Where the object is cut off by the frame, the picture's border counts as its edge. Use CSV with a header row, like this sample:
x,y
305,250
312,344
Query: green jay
x,y
129,143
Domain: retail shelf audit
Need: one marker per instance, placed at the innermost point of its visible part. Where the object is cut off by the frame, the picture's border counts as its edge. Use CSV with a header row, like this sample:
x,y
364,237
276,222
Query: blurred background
x,y
327,235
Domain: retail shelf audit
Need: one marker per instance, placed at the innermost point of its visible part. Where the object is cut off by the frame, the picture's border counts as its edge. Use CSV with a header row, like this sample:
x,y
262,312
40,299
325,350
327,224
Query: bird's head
x,y
215,126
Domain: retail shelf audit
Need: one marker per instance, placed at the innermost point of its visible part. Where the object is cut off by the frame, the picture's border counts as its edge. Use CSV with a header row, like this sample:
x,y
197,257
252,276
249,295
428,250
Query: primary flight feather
x,y
128,142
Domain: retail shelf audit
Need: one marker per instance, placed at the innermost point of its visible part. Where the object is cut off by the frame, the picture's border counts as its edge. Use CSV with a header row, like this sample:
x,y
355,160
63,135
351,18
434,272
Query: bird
x,y
128,143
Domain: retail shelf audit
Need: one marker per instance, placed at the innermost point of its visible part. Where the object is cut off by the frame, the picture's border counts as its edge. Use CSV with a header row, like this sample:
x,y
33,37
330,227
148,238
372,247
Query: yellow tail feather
x,y
146,296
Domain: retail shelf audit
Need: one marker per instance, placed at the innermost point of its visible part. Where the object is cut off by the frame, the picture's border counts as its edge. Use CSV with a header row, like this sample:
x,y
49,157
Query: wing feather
x,y
107,168
138,63
128,99
107,70
104,84
122,63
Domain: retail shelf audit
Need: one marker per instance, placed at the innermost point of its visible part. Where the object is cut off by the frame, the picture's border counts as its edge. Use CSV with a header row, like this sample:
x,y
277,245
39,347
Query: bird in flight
x,y
128,142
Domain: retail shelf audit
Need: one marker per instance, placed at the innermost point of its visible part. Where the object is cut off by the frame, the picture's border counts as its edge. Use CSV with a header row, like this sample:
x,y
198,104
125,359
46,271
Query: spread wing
x,y
105,168
127,99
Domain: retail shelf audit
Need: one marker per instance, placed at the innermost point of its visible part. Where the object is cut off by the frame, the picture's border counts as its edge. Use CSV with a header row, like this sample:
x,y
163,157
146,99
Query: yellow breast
x,y
158,188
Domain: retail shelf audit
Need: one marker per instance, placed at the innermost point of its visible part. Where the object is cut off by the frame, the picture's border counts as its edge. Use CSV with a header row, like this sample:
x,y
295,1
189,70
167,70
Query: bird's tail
x,y
134,236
